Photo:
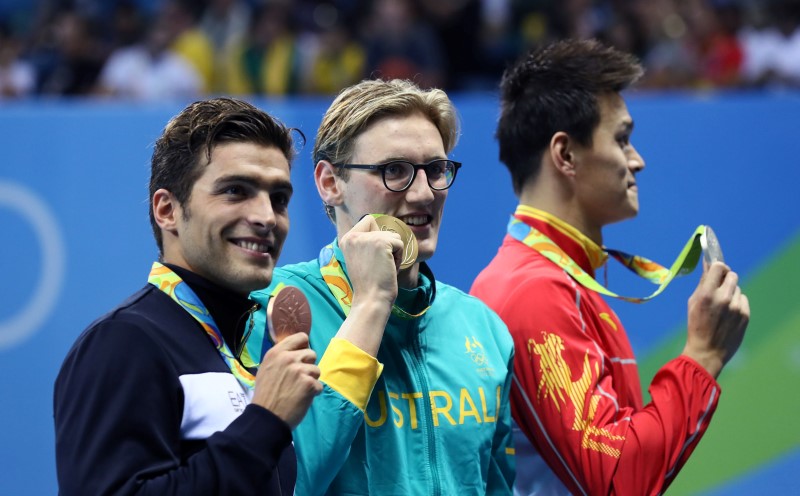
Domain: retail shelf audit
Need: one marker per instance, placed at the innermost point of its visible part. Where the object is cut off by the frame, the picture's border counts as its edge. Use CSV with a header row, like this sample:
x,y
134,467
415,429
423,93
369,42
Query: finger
x,y
390,237
397,250
308,375
296,341
366,224
391,242
745,308
735,303
715,275
737,293
315,386
730,285
312,371
307,356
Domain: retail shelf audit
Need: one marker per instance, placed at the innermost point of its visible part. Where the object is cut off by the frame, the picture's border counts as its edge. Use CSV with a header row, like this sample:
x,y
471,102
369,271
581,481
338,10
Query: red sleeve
x,y
564,398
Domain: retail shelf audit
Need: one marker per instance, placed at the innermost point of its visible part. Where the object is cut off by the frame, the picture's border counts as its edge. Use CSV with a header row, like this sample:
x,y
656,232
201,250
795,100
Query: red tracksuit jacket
x,y
576,393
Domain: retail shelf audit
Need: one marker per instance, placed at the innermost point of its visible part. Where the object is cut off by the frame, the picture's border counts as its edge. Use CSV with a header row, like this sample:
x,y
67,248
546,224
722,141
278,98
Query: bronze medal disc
x,y
288,312
410,248
712,252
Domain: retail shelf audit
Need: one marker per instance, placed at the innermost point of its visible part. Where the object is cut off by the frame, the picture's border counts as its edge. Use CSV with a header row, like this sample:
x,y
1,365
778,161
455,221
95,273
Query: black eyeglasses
x,y
398,175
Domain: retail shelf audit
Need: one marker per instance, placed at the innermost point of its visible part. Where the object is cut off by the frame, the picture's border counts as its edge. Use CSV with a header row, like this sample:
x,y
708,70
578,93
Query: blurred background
x,y
86,86
156,49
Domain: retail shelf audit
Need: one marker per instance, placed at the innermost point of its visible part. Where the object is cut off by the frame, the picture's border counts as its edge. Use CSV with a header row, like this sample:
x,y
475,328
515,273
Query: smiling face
x,y
605,182
233,226
413,138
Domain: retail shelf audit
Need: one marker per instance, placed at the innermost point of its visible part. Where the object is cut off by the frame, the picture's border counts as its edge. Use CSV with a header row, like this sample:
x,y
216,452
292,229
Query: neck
x,y
557,201
229,310
409,278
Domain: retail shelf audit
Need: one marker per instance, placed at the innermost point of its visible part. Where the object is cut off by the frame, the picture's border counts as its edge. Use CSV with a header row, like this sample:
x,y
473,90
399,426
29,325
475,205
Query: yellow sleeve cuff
x,y
349,371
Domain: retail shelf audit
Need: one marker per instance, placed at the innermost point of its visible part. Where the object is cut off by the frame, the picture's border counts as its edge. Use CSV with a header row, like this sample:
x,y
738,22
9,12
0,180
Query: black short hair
x,y
554,89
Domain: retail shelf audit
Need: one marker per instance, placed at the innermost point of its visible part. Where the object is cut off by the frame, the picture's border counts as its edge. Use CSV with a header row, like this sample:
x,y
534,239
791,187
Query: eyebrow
x,y
276,185
406,159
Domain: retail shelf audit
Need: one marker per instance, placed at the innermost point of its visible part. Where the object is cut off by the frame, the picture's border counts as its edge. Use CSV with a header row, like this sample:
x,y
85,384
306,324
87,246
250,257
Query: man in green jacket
x,y
422,407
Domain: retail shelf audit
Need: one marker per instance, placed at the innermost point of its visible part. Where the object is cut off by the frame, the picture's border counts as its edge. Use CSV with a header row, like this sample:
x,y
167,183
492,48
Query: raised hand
x,y
288,379
373,258
718,316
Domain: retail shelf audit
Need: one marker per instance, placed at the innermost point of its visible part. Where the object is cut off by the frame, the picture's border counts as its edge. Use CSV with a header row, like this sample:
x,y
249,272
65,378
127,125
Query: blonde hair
x,y
357,106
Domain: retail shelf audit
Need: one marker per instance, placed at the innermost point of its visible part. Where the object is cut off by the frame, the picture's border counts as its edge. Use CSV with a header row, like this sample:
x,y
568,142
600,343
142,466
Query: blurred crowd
x,y
156,49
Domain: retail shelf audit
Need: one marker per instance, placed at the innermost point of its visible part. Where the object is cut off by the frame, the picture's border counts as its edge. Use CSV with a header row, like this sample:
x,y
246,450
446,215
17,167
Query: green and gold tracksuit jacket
x,y
429,416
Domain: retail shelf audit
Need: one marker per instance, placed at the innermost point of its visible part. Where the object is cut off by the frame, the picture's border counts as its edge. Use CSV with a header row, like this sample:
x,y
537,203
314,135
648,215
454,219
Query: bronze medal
x,y
410,248
712,252
288,312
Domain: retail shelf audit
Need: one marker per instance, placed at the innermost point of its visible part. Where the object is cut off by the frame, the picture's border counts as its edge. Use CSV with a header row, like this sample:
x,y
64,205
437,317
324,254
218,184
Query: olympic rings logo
x,y
48,287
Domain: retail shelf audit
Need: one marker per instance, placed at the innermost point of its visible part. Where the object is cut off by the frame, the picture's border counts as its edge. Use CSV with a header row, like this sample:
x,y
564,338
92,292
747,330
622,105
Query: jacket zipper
x,y
428,416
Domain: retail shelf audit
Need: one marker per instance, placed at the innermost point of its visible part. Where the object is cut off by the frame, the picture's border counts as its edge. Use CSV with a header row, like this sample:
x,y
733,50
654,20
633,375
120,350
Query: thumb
x,y
366,224
296,341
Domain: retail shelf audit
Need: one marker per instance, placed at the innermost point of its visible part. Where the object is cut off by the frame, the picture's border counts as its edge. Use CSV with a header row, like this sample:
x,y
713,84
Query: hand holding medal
x,y
410,247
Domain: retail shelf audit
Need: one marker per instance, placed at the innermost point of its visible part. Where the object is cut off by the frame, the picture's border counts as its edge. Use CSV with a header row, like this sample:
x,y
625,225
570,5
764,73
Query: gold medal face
x,y
410,248
712,252
288,312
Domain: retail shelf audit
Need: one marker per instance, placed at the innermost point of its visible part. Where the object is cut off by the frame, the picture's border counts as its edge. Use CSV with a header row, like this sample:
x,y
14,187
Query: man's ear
x,y
562,153
166,210
328,183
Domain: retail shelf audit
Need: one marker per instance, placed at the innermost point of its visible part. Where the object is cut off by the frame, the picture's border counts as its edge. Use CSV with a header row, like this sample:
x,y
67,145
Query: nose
x,y
635,160
420,191
260,213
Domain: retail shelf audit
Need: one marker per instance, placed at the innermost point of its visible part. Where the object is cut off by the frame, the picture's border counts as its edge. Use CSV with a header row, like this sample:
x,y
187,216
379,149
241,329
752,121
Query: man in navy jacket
x,y
158,396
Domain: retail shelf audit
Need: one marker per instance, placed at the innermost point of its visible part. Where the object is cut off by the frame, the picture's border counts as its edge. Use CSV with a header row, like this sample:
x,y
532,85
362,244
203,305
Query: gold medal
x,y
288,312
712,252
410,248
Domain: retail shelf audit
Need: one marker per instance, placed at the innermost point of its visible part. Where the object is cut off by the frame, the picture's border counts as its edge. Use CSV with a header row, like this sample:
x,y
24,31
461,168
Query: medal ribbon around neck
x,y
339,285
170,283
647,269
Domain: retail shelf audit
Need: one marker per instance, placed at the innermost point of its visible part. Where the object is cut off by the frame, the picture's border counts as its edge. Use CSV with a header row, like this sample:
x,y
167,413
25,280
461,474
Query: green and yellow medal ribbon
x,y
647,269
340,288
163,278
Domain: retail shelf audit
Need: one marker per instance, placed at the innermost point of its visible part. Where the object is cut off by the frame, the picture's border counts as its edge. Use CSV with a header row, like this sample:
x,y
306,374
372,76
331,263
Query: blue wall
x,y
76,238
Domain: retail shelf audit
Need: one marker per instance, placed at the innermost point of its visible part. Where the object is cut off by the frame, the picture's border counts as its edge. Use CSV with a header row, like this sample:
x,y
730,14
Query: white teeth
x,y
416,220
253,246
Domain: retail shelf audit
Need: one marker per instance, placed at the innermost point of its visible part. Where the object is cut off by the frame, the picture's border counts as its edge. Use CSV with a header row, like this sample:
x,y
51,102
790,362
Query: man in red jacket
x,y
564,134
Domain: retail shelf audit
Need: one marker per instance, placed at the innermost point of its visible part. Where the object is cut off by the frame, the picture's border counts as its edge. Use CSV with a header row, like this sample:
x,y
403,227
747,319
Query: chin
x,y
255,281
629,211
426,251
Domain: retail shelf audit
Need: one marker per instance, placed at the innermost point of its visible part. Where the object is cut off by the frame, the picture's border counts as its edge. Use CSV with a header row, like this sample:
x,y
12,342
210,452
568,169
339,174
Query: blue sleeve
x,y
323,440
502,470
324,437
